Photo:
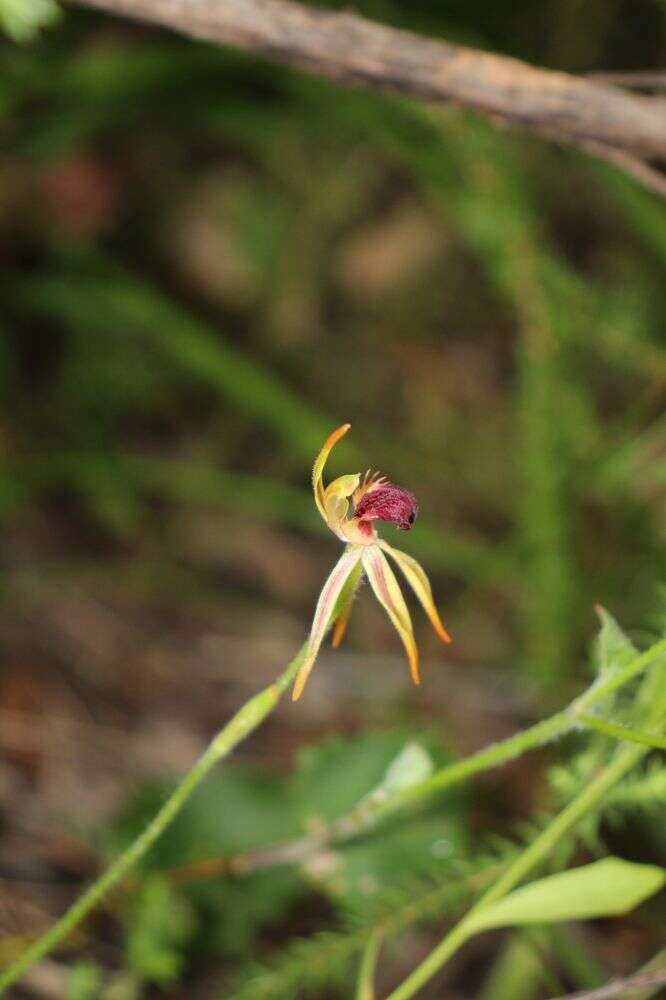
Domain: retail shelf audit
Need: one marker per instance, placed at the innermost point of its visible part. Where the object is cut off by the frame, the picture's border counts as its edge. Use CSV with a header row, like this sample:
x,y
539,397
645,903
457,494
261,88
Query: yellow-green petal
x,y
318,467
327,605
388,593
336,499
420,584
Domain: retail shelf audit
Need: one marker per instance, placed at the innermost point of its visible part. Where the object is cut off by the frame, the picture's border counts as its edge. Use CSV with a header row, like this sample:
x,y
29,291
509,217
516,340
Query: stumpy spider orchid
x,y
350,505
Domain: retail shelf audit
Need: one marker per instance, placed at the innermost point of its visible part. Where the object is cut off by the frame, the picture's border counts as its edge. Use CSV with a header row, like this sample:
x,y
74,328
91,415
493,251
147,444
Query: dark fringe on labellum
x,y
388,503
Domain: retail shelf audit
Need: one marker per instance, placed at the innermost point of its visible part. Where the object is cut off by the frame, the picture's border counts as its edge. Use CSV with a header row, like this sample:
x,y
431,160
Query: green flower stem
x,y
367,814
536,852
623,732
499,753
365,989
491,756
246,720
250,716
626,758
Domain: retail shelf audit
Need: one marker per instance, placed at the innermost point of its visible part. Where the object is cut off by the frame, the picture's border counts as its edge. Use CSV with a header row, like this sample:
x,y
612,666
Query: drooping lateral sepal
x,y
326,610
344,603
417,579
340,626
388,593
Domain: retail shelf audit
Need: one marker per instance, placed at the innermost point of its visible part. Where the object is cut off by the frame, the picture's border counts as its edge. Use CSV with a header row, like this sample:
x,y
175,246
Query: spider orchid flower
x,y
350,505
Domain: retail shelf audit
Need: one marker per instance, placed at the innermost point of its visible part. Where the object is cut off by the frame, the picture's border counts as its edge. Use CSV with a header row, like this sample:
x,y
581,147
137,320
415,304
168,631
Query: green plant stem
x,y
365,989
543,732
625,760
491,756
246,720
623,732
536,852
358,821
367,814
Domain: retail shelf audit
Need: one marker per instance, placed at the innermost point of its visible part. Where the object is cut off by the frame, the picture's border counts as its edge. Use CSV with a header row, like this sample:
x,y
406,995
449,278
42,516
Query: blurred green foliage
x,y
211,261
246,809
23,19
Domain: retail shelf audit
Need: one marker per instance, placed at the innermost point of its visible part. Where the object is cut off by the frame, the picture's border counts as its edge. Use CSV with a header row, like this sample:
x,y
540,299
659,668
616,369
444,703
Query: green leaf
x,y
84,981
333,776
613,649
517,971
243,808
338,776
604,888
234,811
160,925
23,19
413,764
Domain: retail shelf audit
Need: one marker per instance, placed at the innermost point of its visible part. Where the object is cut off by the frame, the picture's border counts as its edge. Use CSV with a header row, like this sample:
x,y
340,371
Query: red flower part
x,y
388,502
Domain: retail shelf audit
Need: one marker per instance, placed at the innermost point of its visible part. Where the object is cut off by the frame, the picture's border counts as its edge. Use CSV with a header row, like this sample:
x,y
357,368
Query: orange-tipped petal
x,y
412,658
388,593
340,626
420,584
301,678
324,611
320,462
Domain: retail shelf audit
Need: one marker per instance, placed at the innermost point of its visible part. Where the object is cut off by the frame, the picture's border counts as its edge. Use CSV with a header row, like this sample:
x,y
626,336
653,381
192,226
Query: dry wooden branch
x,y
645,79
622,987
625,128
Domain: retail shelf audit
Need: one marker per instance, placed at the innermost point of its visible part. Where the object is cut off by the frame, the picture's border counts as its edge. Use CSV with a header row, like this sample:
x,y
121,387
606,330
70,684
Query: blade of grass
x,y
114,299
365,989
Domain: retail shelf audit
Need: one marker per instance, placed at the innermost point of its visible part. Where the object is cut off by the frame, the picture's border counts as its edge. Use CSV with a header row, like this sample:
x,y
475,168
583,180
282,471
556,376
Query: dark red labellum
x,y
388,503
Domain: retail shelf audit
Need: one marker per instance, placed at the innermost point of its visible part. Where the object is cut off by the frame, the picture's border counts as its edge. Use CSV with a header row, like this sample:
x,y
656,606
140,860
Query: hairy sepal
x,y
388,593
417,579
327,607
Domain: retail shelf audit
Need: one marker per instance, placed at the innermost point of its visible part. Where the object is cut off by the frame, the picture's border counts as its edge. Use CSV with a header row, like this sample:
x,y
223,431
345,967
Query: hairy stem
x,y
370,812
357,821
536,852
626,758
367,814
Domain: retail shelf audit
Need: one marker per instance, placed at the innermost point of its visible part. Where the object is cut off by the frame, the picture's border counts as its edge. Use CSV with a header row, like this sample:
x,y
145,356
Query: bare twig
x,y
627,129
641,171
620,987
647,79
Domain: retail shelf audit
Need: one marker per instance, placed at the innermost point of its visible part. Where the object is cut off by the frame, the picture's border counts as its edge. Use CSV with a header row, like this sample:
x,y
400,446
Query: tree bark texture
x,y
626,128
